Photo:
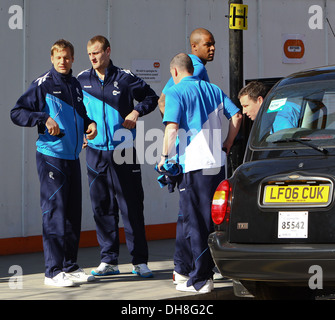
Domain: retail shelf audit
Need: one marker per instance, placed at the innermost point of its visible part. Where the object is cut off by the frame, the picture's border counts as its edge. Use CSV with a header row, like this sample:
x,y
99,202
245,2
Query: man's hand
x,y
130,121
52,126
161,163
91,131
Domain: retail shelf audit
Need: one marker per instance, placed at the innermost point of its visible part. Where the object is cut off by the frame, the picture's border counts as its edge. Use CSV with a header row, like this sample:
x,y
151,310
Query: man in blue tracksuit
x,y
113,172
194,113
54,103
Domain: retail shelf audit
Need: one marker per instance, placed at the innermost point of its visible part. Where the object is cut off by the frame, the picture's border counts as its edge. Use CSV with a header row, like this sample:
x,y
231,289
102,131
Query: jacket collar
x,y
108,72
61,77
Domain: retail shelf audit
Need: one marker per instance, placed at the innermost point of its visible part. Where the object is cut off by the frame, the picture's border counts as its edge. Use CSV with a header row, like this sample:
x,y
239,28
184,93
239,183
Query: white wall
x,y
137,29
269,19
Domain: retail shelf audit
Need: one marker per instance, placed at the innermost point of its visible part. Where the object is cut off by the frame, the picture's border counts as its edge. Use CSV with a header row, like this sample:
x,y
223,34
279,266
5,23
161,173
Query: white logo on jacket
x,y
42,79
79,98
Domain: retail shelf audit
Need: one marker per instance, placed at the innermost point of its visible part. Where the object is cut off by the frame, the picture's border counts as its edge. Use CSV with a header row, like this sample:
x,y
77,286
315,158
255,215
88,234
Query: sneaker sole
x,y
149,275
80,281
55,284
110,273
192,289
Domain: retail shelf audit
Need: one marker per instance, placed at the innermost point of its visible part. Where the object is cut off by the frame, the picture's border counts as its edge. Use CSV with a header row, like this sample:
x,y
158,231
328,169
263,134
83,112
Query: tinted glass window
x,y
304,111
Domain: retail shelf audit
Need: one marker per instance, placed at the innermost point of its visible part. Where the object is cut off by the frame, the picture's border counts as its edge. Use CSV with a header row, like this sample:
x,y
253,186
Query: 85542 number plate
x,y
293,224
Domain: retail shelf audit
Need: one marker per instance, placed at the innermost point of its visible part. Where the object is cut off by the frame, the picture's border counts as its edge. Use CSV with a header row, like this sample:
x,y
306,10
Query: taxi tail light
x,y
220,203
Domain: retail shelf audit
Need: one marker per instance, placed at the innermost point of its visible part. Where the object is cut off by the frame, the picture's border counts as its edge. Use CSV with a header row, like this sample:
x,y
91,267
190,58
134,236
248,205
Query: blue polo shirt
x,y
287,117
199,108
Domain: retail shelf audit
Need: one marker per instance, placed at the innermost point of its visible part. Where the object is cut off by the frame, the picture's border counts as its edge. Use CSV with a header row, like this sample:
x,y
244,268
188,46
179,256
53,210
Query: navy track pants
x,y
61,204
117,187
192,255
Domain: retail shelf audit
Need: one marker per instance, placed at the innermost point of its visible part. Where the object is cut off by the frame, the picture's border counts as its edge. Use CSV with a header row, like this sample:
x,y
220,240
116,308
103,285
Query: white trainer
x,y
79,276
60,280
208,287
142,270
105,269
179,278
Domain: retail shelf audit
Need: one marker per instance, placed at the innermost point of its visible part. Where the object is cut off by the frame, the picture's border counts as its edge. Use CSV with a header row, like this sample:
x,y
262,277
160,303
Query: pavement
x,y
22,278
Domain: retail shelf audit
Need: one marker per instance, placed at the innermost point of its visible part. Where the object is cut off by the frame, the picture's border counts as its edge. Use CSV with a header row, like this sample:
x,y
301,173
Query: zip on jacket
x,y
109,103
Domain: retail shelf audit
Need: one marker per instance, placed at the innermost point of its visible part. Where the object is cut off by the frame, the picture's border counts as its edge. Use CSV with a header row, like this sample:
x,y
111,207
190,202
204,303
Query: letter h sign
x,y
238,16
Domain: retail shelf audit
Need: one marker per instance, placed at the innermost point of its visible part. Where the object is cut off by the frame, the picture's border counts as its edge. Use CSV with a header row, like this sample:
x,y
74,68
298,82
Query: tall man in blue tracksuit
x,y
113,172
194,112
202,44
54,103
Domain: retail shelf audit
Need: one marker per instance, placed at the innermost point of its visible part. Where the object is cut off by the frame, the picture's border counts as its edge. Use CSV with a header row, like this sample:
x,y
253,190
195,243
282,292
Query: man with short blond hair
x,y
62,44
54,103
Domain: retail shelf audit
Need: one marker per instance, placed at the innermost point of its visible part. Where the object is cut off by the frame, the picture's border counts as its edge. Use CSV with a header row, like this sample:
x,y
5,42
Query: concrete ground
x,y
125,286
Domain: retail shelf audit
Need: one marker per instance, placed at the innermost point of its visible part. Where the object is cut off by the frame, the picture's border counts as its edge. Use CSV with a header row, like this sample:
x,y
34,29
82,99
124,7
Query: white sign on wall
x,y
148,70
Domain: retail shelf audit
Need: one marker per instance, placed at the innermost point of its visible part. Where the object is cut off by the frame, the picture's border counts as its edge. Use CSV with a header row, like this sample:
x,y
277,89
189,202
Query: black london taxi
x,y
275,216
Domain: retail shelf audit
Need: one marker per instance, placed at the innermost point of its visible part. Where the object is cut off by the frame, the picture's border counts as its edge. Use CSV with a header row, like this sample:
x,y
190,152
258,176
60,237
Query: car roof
x,y
309,75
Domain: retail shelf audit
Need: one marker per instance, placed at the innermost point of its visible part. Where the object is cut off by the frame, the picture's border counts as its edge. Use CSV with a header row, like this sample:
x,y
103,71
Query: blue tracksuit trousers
x,y
61,204
115,187
192,256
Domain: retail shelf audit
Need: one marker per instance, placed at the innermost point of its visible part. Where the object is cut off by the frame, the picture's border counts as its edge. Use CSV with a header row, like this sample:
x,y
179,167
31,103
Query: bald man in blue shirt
x,y
193,118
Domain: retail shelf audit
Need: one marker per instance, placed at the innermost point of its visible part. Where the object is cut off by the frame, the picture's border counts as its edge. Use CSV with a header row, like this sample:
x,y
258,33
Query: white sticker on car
x,y
293,224
277,105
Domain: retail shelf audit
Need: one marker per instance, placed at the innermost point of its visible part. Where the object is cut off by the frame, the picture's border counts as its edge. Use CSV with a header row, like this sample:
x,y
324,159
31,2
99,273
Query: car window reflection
x,y
304,111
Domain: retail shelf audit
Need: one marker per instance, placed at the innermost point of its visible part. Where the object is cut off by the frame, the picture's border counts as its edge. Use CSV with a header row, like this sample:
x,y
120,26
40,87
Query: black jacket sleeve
x,y
28,109
146,97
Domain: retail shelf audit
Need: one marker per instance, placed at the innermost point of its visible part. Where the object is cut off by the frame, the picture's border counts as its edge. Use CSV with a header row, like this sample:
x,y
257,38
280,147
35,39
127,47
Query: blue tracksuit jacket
x,y
60,97
109,102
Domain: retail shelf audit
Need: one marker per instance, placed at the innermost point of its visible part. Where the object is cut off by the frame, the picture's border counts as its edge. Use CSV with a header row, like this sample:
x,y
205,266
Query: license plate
x,y
277,194
293,224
